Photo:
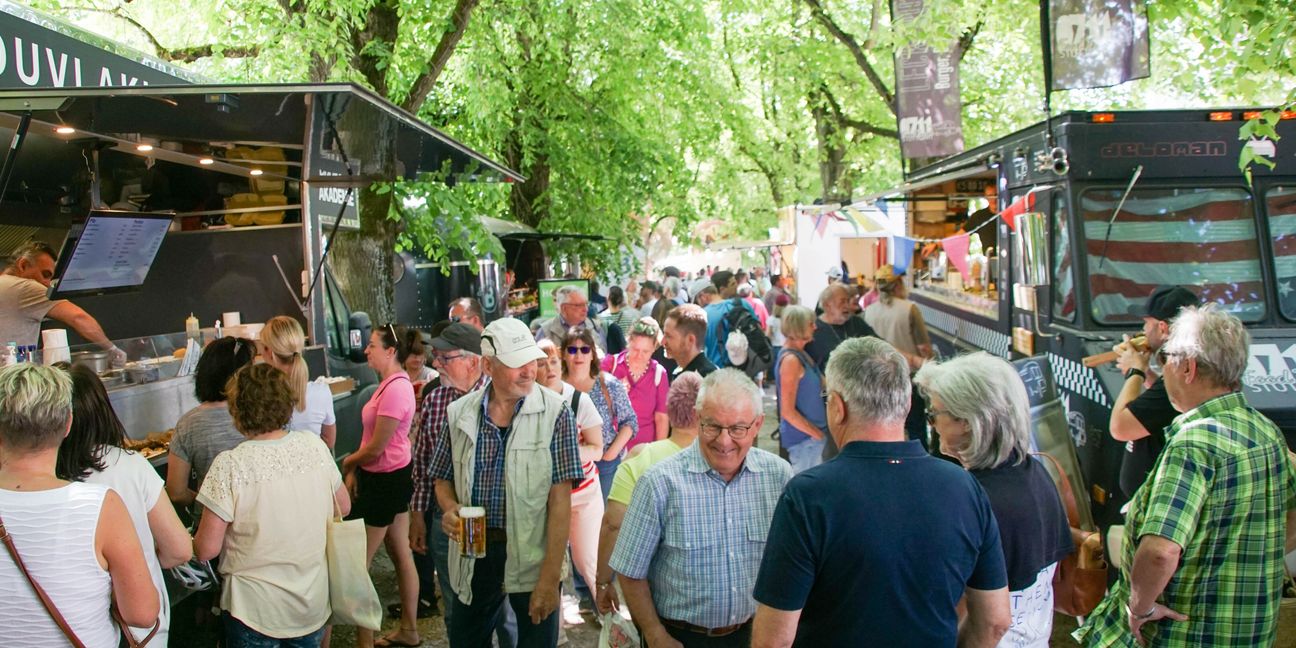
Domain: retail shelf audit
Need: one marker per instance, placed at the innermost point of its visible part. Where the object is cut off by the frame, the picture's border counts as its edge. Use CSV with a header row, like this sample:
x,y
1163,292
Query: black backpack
x,y
760,355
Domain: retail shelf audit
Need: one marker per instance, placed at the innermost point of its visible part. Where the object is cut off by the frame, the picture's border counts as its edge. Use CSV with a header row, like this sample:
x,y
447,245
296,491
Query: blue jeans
x,y
471,626
806,455
439,546
425,563
238,635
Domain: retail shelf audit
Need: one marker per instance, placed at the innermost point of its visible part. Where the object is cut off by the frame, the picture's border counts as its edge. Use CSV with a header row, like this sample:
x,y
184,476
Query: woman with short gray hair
x,y
979,406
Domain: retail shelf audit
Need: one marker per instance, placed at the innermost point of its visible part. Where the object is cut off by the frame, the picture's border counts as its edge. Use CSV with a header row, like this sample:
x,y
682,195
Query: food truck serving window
x,y
1200,237
1281,205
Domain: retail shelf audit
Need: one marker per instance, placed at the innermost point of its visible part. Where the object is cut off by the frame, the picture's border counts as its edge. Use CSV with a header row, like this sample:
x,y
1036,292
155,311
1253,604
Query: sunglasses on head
x,y
583,350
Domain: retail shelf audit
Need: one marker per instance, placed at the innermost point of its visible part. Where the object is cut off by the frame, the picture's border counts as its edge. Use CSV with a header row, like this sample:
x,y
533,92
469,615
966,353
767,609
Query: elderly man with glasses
x,y
692,539
573,312
1203,563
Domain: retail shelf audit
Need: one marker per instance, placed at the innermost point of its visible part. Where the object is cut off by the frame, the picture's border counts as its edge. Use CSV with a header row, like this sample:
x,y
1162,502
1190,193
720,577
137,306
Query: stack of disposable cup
x,y
55,345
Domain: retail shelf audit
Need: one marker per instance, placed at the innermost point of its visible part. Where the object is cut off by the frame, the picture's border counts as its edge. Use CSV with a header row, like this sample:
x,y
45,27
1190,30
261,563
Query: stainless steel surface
x,y
153,407
142,375
96,361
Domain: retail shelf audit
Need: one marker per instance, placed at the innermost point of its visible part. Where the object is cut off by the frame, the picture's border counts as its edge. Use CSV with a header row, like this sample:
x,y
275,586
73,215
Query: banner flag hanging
x,y
904,251
956,249
1097,43
821,225
928,106
1017,208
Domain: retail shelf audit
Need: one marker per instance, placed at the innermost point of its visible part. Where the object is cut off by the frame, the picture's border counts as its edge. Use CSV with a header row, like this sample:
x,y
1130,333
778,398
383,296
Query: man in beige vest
x,y
511,449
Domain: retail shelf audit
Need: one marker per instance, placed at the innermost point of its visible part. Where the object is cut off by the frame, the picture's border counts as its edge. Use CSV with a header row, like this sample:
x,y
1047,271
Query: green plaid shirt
x,y
1221,490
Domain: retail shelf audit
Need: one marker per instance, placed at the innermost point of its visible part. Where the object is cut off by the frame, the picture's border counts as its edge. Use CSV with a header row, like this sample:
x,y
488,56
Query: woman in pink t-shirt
x,y
645,380
380,477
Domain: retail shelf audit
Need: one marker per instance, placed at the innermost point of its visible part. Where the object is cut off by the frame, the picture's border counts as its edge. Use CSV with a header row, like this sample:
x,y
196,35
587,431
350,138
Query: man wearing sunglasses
x,y
510,448
1140,416
692,539
573,312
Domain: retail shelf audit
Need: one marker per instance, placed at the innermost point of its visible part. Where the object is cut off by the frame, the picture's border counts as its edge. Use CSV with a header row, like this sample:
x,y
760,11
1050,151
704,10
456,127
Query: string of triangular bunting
x,y
956,246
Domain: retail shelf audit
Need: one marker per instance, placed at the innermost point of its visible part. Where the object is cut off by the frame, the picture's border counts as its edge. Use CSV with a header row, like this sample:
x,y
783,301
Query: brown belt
x,y
710,632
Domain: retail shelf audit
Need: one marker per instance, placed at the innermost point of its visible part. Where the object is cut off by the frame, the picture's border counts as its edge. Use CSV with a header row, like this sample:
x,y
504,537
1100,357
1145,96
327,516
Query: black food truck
x,y
1113,205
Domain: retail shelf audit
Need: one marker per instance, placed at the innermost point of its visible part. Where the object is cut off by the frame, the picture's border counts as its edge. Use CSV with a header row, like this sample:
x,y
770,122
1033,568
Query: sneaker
x,y
571,615
425,610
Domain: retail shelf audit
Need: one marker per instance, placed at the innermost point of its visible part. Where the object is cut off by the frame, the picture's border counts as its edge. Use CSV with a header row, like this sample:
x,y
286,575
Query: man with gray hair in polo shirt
x,y
510,448
692,539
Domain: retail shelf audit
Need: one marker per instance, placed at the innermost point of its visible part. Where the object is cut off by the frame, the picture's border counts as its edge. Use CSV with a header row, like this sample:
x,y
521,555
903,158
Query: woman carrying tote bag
x,y
269,502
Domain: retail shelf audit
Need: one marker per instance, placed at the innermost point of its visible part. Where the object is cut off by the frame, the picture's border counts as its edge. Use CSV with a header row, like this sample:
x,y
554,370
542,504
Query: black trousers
x,y
471,626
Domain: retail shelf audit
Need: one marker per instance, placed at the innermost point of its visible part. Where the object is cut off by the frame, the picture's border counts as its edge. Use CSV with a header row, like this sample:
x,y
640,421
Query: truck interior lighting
x,y
65,130
256,172
205,161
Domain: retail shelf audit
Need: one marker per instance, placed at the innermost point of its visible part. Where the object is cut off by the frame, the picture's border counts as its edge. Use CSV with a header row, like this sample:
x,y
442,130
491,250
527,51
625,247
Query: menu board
x,y
113,252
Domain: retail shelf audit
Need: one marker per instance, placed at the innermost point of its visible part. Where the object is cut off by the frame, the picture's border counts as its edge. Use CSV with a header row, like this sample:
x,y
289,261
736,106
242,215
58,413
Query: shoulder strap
x,y
607,397
1068,495
575,404
40,592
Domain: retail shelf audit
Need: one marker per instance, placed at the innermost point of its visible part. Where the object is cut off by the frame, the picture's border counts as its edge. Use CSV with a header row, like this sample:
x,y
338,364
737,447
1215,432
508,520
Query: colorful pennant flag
x,y
1017,208
956,248
904,251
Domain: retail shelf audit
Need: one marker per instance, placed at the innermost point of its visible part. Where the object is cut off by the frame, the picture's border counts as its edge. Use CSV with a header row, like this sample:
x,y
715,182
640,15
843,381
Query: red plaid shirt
x,y
432,416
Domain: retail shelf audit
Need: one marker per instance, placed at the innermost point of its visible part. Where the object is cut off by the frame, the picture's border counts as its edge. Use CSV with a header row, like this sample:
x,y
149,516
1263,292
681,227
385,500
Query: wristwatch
x,y
1140,617
1135,371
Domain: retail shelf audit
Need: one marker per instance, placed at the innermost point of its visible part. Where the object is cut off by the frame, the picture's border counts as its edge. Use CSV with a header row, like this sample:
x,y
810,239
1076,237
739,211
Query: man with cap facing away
x,y
508,432
1140,415
456,352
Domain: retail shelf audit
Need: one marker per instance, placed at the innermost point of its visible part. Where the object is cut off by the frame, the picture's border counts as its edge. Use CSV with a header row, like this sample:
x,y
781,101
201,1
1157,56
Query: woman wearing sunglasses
x,y
645,381
581,369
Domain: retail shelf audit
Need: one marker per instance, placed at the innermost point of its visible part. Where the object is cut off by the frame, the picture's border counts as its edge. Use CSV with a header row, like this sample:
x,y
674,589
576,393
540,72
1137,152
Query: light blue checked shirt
x,y
697,540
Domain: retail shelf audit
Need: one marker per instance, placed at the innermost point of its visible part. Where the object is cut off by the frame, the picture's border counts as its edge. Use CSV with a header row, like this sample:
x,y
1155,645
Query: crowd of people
x,y
616,442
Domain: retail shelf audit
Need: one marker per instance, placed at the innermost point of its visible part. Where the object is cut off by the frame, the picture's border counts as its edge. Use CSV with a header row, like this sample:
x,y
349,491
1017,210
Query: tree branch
x,y
423,85
856,124
381,25
861,59
965,41
179,54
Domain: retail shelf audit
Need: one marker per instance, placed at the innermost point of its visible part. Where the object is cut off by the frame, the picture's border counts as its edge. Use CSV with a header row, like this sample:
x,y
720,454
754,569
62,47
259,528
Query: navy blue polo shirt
x,y
877,546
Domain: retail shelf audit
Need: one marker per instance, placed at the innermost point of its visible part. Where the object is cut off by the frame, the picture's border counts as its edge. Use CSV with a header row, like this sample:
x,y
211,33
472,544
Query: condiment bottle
x,y
191,328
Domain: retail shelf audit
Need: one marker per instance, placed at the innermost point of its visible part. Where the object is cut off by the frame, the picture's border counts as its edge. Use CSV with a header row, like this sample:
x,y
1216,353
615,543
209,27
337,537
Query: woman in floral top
x,y
581,370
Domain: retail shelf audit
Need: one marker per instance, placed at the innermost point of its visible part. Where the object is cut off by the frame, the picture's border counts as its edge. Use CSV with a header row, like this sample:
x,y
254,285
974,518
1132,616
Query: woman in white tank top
x,y
92,452
76,539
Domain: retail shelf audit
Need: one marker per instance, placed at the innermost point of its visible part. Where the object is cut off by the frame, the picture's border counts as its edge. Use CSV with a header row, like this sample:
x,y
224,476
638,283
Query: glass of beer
x,y
472,532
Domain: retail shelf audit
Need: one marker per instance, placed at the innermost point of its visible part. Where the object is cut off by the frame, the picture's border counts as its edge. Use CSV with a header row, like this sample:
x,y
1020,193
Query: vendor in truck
x,y
24,302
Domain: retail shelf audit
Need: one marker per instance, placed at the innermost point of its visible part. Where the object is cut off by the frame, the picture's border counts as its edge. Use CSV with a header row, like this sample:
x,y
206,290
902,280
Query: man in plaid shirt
x,y
692,539
457,356
1203,564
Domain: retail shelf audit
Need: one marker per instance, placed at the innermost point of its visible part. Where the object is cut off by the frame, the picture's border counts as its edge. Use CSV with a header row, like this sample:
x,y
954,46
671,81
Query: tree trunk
x,y
832,153
362,260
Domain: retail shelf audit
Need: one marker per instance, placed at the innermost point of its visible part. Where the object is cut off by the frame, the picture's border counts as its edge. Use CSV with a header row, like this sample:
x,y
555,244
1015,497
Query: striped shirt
x,y
432,416
1221,490
488,485
697,539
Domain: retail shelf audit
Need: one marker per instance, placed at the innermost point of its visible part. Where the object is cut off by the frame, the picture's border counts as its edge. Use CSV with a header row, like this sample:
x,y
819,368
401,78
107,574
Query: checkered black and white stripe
x,y
1076,378
974,334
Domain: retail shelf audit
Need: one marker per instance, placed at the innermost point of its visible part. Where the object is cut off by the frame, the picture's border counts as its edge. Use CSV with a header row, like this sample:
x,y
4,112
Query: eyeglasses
x,y
736,432
644,328
933,413
455,319
1163,357
442,359
392,329
583,350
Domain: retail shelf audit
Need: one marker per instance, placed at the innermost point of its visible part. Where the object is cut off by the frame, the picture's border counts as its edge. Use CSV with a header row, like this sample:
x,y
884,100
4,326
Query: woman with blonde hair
x,y
803,418
281,346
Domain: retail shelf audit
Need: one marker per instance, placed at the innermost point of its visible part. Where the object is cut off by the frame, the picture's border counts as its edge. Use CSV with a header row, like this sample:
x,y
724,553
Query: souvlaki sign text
x,y
32,56
1270,368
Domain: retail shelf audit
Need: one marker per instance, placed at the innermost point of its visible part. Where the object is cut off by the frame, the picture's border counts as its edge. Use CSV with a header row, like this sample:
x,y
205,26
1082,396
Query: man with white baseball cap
x,y
508,432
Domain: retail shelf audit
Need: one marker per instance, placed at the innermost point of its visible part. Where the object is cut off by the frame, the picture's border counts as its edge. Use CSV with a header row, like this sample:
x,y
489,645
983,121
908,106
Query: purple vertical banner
x,y
1097,43
928,106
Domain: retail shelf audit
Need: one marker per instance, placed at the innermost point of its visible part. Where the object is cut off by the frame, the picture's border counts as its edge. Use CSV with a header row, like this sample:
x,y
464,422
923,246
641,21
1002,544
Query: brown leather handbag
x,y
128,638
1080,581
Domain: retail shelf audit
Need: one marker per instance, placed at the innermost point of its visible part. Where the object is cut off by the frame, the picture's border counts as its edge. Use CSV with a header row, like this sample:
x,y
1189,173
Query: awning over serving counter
x,y
180,122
